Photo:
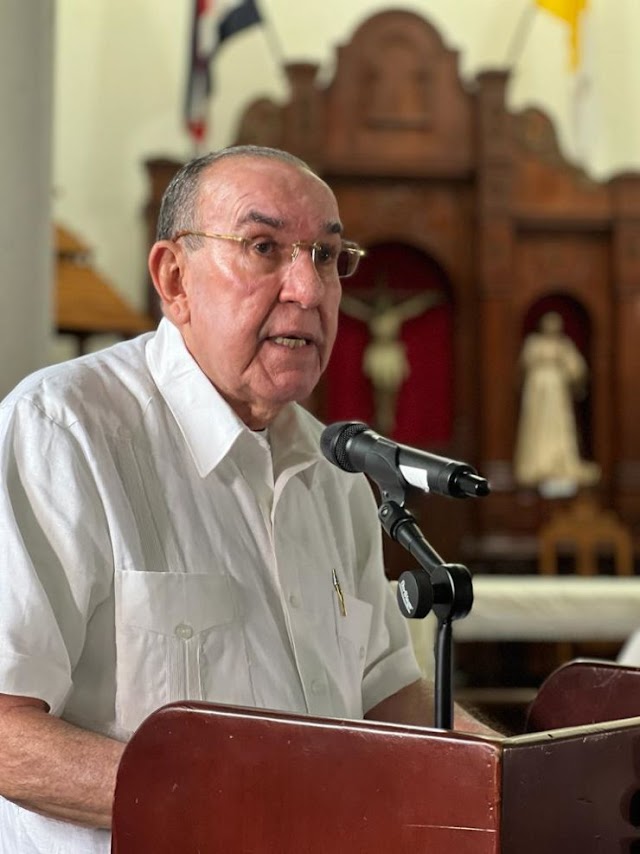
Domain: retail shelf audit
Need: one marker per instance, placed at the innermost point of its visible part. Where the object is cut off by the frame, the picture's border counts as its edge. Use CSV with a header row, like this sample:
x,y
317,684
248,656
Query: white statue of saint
x,y
547,454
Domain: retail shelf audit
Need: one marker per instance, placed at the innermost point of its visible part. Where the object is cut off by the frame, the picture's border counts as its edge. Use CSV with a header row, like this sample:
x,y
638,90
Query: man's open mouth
x,y
291,343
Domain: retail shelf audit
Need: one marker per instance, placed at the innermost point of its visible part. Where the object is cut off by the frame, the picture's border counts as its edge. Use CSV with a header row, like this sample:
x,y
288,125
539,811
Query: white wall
x,y
25,183
120,79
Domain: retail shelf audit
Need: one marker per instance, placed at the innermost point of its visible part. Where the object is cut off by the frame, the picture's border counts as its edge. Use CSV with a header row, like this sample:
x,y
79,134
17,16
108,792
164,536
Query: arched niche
x,y
393,362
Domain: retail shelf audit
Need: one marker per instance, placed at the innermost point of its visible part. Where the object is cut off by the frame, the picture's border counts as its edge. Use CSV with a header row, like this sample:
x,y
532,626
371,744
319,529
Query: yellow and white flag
x,y
581,105
570,12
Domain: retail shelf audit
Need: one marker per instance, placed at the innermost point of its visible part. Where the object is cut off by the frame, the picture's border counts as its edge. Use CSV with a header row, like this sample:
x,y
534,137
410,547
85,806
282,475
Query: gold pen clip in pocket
x,y
339,593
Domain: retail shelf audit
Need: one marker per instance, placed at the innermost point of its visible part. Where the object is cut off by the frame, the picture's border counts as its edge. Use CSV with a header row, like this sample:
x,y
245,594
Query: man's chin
x,y
297,394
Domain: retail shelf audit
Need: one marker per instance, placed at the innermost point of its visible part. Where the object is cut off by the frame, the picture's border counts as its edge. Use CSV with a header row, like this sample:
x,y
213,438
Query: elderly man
x,y
169,527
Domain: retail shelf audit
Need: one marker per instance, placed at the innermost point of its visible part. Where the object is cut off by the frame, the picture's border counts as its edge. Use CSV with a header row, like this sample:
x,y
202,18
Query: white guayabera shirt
x,y
152,549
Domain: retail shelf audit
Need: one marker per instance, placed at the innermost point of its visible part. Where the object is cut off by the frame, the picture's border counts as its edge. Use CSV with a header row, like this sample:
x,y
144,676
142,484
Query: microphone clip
x,y
382,467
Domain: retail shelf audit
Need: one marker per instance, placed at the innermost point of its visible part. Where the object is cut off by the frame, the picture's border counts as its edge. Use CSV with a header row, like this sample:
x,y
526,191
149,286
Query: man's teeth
x,y
291,343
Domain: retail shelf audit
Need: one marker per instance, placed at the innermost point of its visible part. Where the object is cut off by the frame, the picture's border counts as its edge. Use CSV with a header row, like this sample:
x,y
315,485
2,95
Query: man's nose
x,y
302,283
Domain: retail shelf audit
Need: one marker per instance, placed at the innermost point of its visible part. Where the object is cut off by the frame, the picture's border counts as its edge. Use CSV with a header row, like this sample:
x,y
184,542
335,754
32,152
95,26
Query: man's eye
x,y
325,254
264,247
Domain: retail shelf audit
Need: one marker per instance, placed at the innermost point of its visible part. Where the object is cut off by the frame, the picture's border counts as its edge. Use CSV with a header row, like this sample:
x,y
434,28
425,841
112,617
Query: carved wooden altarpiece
x,y
496,224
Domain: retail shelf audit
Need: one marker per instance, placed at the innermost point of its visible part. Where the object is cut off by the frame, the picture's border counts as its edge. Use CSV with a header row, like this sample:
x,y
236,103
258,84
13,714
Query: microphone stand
x,y
444,588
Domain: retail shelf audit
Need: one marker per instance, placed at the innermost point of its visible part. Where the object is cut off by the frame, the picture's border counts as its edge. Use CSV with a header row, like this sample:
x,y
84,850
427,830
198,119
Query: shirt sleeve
x,y
55,554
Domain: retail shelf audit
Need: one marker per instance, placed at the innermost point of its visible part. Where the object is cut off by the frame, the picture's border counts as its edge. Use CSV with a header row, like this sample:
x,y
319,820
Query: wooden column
x,y
626,337
495,284
303,129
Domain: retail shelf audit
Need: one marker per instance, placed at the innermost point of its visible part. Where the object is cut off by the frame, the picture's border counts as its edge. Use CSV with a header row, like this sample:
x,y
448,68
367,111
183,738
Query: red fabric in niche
x,y
424,412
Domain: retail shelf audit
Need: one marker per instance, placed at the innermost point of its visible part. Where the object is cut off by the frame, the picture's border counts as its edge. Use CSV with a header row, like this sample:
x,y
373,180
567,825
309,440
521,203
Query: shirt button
x,y
183,631
317,687
362,652
294,601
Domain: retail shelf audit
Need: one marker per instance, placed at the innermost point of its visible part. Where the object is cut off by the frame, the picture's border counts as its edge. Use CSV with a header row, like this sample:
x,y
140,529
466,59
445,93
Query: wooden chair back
x,y
585,531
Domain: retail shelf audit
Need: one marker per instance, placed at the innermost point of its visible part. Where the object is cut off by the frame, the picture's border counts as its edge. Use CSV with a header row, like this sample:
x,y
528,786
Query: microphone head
x,y
334,439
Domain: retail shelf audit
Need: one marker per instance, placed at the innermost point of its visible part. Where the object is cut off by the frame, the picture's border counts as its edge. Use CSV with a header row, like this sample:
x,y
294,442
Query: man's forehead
x,y
257,190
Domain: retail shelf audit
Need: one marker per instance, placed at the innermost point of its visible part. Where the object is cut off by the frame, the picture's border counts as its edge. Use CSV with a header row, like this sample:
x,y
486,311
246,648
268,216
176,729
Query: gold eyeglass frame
x,y
352,249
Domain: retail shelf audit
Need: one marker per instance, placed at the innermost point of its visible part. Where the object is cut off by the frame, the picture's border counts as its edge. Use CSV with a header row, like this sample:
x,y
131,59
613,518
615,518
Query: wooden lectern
x,y
205,778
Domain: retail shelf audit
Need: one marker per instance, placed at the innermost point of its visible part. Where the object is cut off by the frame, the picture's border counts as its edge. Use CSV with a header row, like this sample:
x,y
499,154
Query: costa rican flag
x,y
214,21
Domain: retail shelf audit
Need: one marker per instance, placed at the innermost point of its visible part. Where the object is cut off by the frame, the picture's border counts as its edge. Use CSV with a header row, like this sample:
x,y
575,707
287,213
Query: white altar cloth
x,y
542,608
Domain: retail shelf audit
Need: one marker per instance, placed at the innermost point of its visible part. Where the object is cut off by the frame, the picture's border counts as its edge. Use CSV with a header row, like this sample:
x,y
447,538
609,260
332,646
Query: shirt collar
x,y
208,424
295,439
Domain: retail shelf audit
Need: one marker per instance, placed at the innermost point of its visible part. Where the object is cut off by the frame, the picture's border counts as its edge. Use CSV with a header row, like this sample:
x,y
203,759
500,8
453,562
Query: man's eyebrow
x,y
263,219
330,227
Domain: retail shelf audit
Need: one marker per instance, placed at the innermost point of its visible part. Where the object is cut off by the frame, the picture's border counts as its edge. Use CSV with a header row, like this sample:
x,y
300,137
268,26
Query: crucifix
x,y
384,360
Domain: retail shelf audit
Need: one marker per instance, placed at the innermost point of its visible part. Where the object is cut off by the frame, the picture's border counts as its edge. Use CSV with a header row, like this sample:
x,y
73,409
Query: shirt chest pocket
x,y
179,636
353,621
353,627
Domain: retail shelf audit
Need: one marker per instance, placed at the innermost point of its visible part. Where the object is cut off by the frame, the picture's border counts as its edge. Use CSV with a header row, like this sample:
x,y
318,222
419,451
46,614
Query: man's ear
x,y
167,269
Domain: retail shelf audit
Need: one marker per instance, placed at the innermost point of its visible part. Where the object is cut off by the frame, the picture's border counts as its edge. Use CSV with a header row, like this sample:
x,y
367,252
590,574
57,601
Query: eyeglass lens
x,y
347,263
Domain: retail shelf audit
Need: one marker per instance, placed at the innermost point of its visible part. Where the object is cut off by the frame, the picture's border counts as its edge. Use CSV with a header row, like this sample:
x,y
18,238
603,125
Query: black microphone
x,y
353,447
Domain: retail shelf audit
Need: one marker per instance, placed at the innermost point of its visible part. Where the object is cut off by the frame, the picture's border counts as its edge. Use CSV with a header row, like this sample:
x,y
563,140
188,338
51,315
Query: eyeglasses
x,y
265,256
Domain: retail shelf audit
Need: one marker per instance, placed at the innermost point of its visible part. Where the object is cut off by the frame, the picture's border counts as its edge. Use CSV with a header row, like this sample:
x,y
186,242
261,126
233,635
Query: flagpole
x,y
271,37
521,34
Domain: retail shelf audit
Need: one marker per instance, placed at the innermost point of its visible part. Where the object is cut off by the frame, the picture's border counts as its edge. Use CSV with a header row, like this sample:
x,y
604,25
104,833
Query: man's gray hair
x,y
179,202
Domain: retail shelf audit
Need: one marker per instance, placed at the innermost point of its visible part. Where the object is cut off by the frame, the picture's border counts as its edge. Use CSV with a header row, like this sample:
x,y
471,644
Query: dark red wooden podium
x,y
198,778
